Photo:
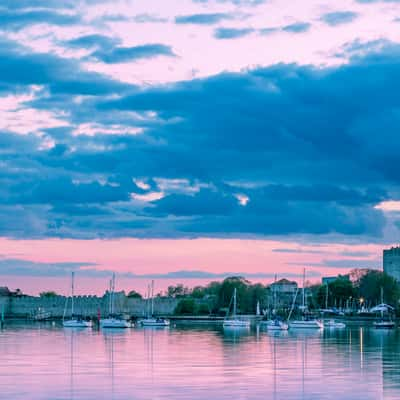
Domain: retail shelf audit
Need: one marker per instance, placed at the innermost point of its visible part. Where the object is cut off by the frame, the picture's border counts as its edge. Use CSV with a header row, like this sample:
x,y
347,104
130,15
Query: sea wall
x,y
26,306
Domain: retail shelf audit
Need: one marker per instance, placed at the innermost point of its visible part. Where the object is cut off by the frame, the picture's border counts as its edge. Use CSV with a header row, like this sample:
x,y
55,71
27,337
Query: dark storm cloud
x,y
312,149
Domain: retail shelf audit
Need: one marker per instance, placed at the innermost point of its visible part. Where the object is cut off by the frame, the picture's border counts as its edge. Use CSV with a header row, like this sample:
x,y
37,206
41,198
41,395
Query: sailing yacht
x,y
385,321
234,322
113,320
275,324
150,320
306,322
76,321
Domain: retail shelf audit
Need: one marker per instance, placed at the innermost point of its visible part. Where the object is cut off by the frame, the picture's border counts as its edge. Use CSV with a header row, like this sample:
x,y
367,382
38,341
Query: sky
x,y
194,139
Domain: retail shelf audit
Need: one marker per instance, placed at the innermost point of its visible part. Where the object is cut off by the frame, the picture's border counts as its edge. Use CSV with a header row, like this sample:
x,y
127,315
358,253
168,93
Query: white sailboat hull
x,y
334,325
114,323
277,325
74,323
154,322
236,323
311,324
384,325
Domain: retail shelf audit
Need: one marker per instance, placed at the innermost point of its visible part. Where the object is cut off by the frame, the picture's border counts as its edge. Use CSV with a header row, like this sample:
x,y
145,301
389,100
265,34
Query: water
x,y
42,361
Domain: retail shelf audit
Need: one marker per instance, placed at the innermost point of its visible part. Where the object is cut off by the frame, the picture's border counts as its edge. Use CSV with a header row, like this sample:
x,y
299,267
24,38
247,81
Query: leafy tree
x,y
177,291
227,288
186,306
133,294
48,294
369,287
339,291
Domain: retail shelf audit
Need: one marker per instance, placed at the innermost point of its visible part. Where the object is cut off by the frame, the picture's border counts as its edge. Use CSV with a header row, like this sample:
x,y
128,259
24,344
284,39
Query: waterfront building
x,y
282,292
391,262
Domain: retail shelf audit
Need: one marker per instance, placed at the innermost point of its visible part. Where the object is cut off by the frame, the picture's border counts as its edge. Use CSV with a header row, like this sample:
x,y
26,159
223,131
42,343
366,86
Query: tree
x,y
227,288
177,291
369,287
48,294
133,294
339,291
186,307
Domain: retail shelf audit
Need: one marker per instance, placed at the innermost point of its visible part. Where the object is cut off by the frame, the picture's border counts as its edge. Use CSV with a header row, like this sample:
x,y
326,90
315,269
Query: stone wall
x,y
26,306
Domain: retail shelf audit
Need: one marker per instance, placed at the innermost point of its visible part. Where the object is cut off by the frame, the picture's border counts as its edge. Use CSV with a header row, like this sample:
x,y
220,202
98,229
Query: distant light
x,y
242,199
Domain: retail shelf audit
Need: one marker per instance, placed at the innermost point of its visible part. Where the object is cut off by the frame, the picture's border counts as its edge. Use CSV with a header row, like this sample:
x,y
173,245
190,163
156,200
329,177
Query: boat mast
x,y
72,294
304,293
113,289
234,302
152,297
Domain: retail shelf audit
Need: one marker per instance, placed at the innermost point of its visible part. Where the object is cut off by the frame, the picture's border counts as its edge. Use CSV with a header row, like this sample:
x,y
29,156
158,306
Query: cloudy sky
x,y
194,138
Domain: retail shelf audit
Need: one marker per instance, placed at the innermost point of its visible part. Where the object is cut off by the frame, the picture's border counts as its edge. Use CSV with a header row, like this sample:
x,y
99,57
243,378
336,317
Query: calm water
x,y
48,362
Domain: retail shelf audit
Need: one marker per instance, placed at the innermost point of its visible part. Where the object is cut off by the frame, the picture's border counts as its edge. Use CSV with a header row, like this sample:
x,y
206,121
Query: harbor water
x,y
43,361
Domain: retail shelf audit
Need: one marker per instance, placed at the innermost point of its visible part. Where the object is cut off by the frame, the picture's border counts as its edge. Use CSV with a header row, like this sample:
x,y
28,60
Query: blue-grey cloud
x,y
297,27
248,3
232,33
346,263
298,251
149,18
339,17
21,267
17,19
124,54
93,41
202,19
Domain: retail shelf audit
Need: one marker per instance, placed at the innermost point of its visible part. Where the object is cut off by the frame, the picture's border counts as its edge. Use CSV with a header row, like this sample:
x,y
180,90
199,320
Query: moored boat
x,y
334,324
233,321
113,320
76,321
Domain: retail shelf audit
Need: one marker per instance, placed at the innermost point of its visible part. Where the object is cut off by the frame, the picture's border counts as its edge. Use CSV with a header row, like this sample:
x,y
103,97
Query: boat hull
x,y
114,323
277,326
236,323
73,323
154,322
312,324
384,325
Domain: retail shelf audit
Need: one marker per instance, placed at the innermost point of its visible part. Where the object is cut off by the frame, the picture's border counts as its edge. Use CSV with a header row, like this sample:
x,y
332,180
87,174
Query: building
x,y
281,293
391,262
284,286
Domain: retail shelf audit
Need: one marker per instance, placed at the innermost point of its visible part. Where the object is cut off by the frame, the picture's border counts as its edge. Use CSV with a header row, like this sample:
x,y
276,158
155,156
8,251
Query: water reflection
x,y
49,362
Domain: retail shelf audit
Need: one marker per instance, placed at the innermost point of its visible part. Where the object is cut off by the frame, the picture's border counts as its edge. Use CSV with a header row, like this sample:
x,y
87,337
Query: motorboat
x,y
233,321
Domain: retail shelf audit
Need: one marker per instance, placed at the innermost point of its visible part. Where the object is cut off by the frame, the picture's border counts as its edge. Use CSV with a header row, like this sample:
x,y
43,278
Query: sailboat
x,y
76,321
150,320
113,320
275,324
383,323
234,322
307,322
